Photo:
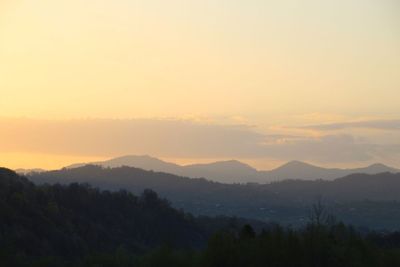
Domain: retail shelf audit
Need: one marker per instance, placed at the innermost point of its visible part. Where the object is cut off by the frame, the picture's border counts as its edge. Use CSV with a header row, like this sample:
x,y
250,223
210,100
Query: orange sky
x,y
274,65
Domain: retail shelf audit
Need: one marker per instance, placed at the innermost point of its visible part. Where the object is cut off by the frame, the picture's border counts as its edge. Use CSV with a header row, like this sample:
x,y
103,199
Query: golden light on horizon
x,y
262,63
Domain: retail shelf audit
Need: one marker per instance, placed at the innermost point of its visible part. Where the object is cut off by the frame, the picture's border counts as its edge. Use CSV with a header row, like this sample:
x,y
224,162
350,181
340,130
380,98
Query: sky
x,y
189,81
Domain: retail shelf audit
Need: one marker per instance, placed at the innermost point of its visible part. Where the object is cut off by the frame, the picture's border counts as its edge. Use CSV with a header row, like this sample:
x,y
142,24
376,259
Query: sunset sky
x,y
193,81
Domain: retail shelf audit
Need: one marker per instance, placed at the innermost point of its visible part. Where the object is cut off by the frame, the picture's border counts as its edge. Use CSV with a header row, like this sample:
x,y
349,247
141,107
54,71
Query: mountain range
x,y
27,171
359,199
234,171
79,225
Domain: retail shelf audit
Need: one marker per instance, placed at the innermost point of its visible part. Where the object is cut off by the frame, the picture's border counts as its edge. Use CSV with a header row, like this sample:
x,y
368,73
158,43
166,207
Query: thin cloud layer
x,y
183,138
326,149
115,137
372,124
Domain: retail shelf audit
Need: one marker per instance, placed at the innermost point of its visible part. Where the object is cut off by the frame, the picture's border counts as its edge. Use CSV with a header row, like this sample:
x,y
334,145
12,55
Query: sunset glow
x,y
257,80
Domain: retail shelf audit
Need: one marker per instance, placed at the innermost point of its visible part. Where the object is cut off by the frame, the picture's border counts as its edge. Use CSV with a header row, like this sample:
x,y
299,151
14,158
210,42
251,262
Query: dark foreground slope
x,y
76,225
360,199
70,221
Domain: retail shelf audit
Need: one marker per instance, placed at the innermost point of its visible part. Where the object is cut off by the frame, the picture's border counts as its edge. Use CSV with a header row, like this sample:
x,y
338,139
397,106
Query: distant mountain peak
x,y
27,171
235,171
232,162
132,157
378,165
226,166
296,164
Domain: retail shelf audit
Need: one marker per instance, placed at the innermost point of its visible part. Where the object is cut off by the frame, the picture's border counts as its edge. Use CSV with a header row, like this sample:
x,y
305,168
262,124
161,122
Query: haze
x,y
192,81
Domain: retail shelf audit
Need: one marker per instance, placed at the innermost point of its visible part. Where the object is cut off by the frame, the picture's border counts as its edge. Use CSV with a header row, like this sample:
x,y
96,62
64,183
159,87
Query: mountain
x,y
234,171
78,225
47,215
144,162
303,171
26,171
71,222
352,198
223,171
231,171
376,168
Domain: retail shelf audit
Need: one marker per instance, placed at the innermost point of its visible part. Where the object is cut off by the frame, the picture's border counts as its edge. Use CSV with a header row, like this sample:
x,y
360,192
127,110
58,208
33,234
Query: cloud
x,y
372,124
173,138
328,148
181,139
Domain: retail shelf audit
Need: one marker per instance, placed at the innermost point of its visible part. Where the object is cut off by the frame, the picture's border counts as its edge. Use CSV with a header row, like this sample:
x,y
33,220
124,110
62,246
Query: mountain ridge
x,y
234,171
355,198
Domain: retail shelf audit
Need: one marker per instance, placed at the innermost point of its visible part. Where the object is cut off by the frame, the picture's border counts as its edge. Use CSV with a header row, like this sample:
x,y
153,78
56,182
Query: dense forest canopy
x,y
73,220
77,225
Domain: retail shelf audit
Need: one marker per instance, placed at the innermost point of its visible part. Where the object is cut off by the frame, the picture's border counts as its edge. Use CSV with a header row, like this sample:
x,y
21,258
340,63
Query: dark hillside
x,y
286,202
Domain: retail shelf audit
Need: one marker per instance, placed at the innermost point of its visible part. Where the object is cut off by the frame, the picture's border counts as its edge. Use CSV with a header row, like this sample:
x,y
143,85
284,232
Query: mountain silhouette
x,y
26,171
143,162
222,171
233,171
354,198
79,225
303,171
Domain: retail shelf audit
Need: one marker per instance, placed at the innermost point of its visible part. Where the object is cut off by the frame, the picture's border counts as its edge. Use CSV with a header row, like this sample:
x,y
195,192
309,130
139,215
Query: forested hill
x,y
72,220
75,217
368,200
355,187
77,225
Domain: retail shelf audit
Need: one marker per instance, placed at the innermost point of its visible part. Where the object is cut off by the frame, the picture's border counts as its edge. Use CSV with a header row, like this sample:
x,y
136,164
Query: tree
x,y
318,214
247,232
